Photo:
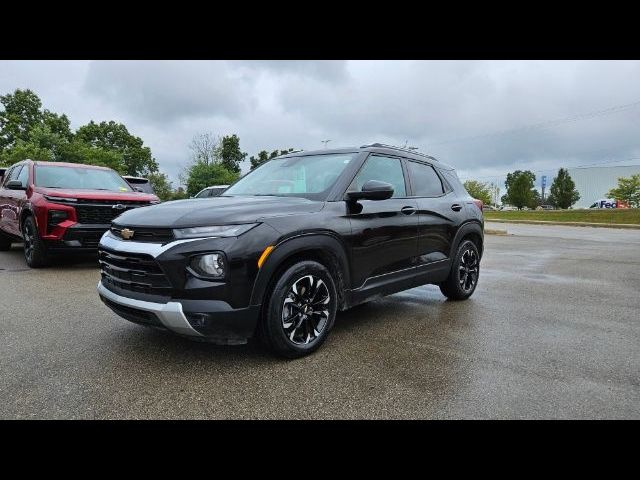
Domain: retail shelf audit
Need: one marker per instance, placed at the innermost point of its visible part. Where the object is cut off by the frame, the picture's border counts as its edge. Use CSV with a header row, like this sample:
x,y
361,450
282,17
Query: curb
x,y
494,231
631,226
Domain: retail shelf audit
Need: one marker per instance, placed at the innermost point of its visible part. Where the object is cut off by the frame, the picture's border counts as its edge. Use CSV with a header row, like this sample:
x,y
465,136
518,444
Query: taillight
x,y
479,203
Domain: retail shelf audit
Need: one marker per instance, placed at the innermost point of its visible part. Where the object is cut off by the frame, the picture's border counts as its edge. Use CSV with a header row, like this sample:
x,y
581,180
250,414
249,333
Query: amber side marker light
x,y
264,255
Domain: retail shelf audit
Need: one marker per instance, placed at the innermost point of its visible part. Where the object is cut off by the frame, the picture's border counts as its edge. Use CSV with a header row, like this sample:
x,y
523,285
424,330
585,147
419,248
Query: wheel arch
x,y
24,213
471,230
326,249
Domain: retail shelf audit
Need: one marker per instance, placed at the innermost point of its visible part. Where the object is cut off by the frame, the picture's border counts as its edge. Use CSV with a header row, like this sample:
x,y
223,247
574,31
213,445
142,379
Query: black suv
x,y
291,243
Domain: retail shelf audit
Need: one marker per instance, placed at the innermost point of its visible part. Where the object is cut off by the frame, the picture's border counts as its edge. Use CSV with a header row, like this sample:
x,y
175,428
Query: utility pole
x,y
325,142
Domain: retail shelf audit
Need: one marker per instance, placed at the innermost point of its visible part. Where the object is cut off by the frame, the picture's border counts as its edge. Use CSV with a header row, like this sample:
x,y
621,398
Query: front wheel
x,y
301,310
35,252
465,271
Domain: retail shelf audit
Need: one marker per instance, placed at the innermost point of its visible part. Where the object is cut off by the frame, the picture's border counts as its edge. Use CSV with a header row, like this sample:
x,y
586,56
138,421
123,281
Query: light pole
x,y
325,142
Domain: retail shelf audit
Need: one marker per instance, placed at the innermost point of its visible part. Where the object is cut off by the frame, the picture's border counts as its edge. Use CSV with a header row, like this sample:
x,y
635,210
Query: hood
x,y
216,211
97,194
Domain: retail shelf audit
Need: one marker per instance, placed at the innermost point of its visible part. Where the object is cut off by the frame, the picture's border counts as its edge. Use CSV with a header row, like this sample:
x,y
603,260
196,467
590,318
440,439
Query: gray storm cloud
x,y
468,113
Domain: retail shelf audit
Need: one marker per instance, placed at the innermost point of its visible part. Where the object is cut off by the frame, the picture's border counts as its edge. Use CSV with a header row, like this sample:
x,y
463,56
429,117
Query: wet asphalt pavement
x,y
553,331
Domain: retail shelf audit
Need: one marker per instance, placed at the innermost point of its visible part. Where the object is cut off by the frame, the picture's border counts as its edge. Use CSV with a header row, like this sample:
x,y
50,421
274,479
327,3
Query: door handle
x,y
456,207
408,210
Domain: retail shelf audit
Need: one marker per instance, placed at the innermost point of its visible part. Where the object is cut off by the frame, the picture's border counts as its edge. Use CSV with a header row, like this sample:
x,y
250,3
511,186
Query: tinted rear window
x,y
424,180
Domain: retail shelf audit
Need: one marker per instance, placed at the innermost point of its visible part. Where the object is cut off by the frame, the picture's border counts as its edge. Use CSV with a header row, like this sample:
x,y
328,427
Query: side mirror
x,y
372,190
15,185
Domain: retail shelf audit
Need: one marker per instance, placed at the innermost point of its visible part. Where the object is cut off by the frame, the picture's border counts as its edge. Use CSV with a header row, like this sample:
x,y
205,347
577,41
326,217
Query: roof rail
x,y
393,147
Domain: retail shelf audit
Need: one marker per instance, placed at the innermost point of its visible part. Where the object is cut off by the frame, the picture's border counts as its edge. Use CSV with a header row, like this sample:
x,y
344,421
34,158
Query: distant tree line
x,y
521,191
27,130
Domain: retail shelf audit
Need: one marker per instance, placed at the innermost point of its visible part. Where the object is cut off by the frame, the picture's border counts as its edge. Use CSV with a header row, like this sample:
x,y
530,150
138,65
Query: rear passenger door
x,y
438,220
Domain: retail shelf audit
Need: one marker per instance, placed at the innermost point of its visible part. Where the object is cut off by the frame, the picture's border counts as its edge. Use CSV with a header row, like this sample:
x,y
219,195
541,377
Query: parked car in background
x,y
61,207
139,184
297,239
507,208
212,191
545,207
489,208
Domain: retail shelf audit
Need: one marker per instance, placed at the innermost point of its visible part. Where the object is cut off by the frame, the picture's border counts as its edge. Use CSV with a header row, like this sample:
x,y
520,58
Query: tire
x,y
465,271
5,243
35,251
287,327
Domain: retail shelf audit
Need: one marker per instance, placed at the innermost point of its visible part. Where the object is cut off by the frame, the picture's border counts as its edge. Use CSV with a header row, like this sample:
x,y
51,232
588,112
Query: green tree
x,y
628,189
115,137
78,151
200,175
479,190
536,199
21,115
230,153
520,189
563,191
161,185
179,194
21,112
264,156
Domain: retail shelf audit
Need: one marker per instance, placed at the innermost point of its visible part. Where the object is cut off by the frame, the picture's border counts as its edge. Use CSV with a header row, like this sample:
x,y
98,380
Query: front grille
x,y
88,238
135,272
101,212
133,314
144,234
90,242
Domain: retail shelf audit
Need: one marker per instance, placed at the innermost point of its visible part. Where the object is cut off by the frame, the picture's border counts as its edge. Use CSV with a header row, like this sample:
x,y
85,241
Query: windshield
x,y
56,176
310,176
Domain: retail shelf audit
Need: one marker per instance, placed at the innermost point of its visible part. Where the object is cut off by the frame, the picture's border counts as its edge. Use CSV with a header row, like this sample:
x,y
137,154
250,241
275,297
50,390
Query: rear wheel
x,y
465,271
301,310
35,252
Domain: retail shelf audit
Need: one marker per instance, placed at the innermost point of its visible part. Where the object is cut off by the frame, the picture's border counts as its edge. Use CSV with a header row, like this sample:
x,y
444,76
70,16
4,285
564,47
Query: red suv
x,y
61,207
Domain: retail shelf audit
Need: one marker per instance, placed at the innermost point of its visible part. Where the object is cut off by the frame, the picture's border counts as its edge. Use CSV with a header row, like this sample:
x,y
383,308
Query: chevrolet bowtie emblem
x,y
126,233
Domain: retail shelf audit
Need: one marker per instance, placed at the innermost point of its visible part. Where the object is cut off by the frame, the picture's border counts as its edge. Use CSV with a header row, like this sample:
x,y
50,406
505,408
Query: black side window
x,y
13,174
24,175
424,180
384,169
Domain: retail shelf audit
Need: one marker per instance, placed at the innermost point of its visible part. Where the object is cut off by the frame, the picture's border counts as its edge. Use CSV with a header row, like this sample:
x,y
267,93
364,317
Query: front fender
x,y
325,243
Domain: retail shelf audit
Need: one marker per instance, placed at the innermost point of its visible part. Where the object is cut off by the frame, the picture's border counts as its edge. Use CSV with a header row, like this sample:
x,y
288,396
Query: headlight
x,y
213,231
59,199
209,265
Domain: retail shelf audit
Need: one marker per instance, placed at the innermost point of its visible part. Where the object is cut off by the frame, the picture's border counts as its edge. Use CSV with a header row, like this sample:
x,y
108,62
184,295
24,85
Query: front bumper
x,y
147,282
78,237
205,320
168,315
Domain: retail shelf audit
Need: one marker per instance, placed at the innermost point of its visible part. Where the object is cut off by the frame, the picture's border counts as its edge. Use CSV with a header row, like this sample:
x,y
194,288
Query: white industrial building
x,y
593,183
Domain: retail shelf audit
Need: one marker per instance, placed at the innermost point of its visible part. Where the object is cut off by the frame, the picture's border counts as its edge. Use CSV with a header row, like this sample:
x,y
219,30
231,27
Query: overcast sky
x,y
469,114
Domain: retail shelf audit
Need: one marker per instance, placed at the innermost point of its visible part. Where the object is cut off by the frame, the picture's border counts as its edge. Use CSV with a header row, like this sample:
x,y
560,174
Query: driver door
x,y
384,233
